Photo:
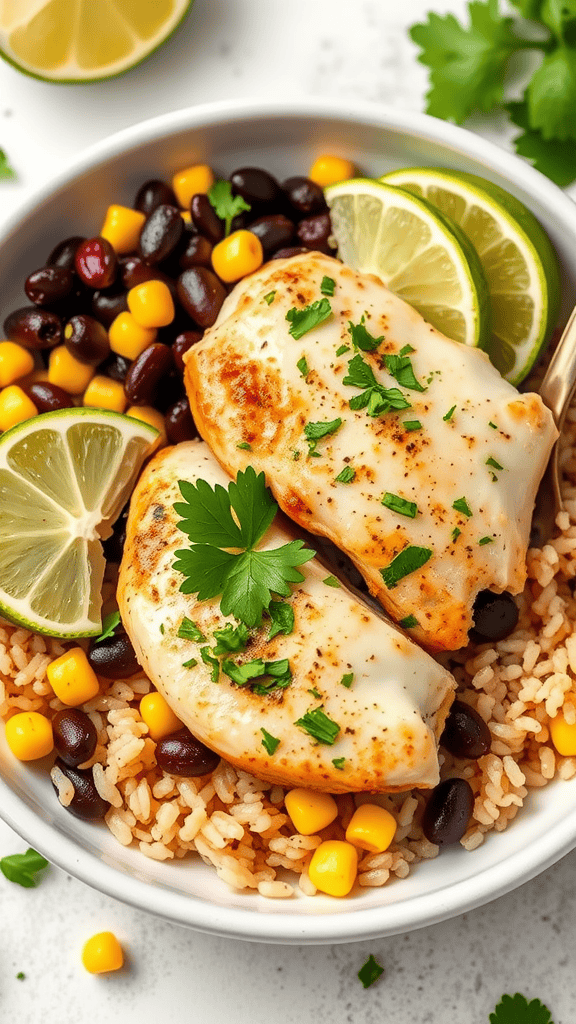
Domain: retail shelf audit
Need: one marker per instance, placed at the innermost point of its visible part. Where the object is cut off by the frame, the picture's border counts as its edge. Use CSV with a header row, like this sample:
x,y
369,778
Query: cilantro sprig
x,y
225,205
374,397
218,519
23,868
517,1010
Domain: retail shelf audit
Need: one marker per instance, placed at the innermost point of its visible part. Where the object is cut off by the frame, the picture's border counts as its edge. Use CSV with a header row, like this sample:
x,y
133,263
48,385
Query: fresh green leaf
x,y
360,374
245,673
314,432
529,8
109,624
493,425
250,671
407,350
400,367
370,972
411,425
282,616
269,298
560,17
347,680
225,205
485,540
304,320
245,446
20,976
7,173
342,349
231,638
408,561
303,366
408,622
315,693
206,569
461,505
331,581
253,504
346,475
319,726
209,659
339,763
555,159
191,663
269,742
397,504
456,533
327,285
22,868
551,96
256,575
517,1010
449,414
162,628
206,514
492,462
375,398
361,337
188,630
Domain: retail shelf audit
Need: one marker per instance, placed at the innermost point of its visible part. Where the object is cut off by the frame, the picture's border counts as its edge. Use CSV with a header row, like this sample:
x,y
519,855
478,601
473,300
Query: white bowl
x,y
283,139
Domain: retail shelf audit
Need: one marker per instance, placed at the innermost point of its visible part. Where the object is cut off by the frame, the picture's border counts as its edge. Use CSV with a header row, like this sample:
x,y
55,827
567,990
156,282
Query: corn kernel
x,y
563,736
105,393
237,256
158,715
72,678
186,216
102,953
127,338
151,304
15,407
122,227
310,811
333,867
15,362
192,181
29,735
371,828
328,169
67,372
147,414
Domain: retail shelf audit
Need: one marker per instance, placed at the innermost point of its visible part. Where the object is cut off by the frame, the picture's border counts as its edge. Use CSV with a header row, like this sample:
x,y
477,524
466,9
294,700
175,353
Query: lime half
x,y
519,262
415,251
84,40
64,478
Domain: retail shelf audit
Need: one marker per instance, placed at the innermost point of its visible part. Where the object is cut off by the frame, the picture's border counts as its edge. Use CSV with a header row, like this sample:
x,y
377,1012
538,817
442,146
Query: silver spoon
x,y
555,391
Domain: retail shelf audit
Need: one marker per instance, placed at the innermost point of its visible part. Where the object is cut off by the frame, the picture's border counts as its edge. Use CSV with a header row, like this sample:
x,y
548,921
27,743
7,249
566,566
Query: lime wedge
x,y
64,478
84,40
415,251
519,262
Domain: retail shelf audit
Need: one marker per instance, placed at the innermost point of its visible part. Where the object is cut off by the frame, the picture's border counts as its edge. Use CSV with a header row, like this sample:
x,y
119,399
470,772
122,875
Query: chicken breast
x,y
387,697
427,482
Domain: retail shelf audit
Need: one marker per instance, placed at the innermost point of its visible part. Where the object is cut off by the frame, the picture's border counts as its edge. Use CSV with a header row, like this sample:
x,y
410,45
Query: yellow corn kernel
x,y
128,338
328,169
158,715
310,811
147,414
237,256
15,407
563,736
15,362
151,304
67,372
72,678
372,828
102,953
105,393
29,735
186,216
122,227
333,867
191,182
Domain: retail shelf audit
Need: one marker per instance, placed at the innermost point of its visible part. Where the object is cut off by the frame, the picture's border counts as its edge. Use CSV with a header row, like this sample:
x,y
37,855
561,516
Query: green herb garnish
x,y
347,680
461,505
400,367
20,976
346,475
230,638
269,298
270,743
7,173
375,398
315,693
188,630
245,446
250,671
456,533
517,1010
109,625
314,432
485,540
319,726
493,425
361,338
411,425
339,763
306,319
449,414
342,349
282,616
331,581
492,462
397,504
408,561
303,366
327,285
408,622
191,663
370,972
209,659
22,868
225,205
162,628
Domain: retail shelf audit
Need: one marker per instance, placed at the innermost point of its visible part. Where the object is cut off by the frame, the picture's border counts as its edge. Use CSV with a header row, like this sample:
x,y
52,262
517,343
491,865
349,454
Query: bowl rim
x,y
422,910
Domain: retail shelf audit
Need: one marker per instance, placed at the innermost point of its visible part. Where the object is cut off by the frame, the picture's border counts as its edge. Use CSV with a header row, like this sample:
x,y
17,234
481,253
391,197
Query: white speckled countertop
x,y
454,972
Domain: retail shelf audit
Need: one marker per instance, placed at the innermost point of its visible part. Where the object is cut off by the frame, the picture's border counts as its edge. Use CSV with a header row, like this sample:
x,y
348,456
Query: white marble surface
x,y
455,971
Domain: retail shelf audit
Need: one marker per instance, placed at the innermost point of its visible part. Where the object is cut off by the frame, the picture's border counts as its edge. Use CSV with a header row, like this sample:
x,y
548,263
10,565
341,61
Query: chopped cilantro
x,y
492,462
361,338
269,298
315,693
407,350
331,581
109,624
162,629
7,172
411,425
375,398
370,972
245,446
327,285
295,456
346,475
319,726
517,1010
456,533
461,505
342,349
493,425
188,630
270,743
408,561
485,540
209,659
250,671
314,432
347,679
339,763
397,504
304,320
20,976
408,622
231,638
400,367
225,205
449,414
22,868
282,616
303,366
191,663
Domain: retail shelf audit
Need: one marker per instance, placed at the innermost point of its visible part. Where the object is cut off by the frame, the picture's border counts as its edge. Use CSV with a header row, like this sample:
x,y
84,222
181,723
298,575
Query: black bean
x,y
47,397
181,344
170,390
182,754
288,252
313,233
87,339
161,233
133,271
113,546
33,327
205,220
304,196
448,812
96,262
86,802
75,736
495,617
201,294
106,306
152,194
197,253
465,732
114,657
116,367
64,253
179,423
256,186
146,372
48,285
274,231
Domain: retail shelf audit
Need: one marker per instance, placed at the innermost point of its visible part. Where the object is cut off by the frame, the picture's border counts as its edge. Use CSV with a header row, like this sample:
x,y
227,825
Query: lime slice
x,y
64,478
84,40
415,251
519,262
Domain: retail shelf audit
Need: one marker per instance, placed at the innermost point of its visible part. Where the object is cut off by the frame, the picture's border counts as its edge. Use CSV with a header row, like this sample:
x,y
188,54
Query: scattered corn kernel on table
x,y
453,971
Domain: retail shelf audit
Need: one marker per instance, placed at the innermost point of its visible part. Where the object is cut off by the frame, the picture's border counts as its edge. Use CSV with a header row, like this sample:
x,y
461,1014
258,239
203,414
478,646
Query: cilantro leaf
x,y
209,659
461,505
529,8
408,622
399,505
517,1010
206,569
279,672
370,972
448,416
560,17
407,561
109,624
361,338
411,425
255,575
225,205
375,398
331,581
327,285
302,365
269,742
551,96
206,514
319,726
346,475
314,432
230,638
282,616
339,763
188,630
269,298
304,320
347,679
7,173
22,868
400,367
553,158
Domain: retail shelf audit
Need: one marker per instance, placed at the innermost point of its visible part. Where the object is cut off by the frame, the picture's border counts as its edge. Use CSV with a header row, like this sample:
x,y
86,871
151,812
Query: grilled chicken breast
x,y
390,712
458,465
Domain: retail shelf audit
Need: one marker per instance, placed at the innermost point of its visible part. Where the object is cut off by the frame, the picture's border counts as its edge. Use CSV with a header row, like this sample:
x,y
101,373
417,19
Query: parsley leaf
x,y
248,672
225,205
331,581
7,173
375,398
448,416
492,462
370,972
461,505
408,622
188,630
485,540
411,425
302,365
109,624
346,475
22,868
209,659
554,158
408,561
314,432
339,763
230,638
517,1010
400,367
191,663
327,285
304,320
397,504
456,533
269,298
245,446
282,616
347,679
319,726
342,349
551,96
361,338
270,743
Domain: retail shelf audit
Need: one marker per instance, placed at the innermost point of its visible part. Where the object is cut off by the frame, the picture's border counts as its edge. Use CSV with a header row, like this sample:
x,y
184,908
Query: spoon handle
x,y
560,380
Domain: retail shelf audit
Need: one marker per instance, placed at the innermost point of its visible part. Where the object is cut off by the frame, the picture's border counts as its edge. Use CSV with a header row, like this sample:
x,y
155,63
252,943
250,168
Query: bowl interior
x,y
285,143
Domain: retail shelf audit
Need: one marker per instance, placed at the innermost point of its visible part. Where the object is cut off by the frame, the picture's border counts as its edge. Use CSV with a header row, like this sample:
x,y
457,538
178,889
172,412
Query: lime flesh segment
x,y
416,251
518,259
64,478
